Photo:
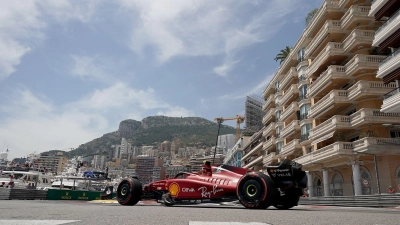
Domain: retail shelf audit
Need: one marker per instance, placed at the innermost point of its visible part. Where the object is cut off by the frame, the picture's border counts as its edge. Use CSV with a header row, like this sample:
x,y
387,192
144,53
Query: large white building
x,y
323,104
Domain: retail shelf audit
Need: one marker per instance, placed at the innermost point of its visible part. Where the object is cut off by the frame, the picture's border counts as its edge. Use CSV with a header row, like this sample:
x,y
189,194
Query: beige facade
x,y
323,106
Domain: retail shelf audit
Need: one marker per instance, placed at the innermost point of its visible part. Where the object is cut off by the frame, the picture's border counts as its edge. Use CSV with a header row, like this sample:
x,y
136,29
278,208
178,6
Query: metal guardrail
x,y
380,201
22,194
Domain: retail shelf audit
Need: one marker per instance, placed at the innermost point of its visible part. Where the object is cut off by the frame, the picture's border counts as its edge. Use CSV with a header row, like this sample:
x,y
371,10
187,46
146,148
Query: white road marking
x,y
36,222
224,223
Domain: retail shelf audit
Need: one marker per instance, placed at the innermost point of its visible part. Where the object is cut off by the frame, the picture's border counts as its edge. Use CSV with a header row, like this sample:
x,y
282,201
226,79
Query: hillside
x,y
156,129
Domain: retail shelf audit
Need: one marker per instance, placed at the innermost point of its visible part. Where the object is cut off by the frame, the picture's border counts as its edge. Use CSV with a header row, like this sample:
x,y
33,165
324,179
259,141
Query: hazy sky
x,y
70,71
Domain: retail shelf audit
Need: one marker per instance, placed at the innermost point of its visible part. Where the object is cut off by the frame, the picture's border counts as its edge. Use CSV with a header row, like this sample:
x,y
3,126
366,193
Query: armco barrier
x,y
57,194
383,200
22,194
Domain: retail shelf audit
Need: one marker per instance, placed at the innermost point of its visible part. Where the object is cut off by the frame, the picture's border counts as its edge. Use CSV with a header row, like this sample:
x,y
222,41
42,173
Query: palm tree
x,y
311,15
283,54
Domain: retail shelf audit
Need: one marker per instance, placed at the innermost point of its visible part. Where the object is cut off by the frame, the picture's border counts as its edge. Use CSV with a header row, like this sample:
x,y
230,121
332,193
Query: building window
x,y
354,139
305,130
302,92
277,86
278,131
300,55
395,133
397,176
278,115
279,147
304,111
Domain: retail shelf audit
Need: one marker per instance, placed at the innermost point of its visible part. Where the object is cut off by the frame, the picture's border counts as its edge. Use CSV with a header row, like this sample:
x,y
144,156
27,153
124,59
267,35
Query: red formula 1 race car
x,y
222,183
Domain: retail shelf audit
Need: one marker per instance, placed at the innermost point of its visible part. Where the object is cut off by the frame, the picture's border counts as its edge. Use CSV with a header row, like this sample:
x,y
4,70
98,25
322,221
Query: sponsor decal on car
x,y
174,189
207,194
280,173
188,190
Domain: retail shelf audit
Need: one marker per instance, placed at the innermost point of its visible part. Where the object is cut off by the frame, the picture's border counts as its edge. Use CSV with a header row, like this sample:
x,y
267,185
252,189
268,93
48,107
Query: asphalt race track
x,y
108,212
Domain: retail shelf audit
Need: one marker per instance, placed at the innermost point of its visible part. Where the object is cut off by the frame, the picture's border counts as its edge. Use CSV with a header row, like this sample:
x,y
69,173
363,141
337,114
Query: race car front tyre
x,y
129,191
256,190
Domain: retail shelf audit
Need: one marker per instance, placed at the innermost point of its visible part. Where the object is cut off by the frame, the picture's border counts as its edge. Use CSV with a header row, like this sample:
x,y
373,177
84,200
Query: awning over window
x,y
323,138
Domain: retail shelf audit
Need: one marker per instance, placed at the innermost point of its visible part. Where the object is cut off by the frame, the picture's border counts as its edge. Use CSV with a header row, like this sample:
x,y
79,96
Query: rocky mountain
x,y
193,131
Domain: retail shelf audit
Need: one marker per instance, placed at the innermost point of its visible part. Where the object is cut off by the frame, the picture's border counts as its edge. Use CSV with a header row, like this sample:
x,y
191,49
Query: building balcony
x,y
253,162
291,148
387,29
326,154
270,88
363,64
376,5
290,111
378,146
269,116
290,129
331,28
356,16
268,159
289,78
255,151
302,80
328,10
388,65
269,130
367,89
269,102
289,95
330,125
391,102
269,145
358,39
304,137
327,103
331,54
333,72
373,116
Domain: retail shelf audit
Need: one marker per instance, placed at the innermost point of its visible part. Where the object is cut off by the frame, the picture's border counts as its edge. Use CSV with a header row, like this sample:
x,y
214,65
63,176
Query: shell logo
x,y
174,189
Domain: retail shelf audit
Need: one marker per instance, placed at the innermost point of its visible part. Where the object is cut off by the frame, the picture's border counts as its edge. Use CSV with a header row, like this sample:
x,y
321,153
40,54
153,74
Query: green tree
x,y
311,15
283,54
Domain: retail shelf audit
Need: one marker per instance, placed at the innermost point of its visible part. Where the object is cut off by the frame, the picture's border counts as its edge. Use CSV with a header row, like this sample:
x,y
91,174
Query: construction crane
x,y
239,119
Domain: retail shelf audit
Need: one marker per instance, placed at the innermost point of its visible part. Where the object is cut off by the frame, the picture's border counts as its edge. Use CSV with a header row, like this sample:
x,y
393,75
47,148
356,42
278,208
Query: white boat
x,y
25,179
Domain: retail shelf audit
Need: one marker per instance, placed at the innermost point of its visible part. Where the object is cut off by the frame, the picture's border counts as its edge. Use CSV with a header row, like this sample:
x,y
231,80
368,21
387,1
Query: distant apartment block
x,y
226,142
99,161
234,155
149,168
172,170
52,163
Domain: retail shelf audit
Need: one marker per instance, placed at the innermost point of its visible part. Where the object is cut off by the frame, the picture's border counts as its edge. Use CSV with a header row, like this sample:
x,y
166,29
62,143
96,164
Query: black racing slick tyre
x,y
287,202
129,191
256,190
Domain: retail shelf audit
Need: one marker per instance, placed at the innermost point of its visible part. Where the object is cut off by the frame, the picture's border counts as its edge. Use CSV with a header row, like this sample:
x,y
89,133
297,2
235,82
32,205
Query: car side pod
x,y
129,191
256,190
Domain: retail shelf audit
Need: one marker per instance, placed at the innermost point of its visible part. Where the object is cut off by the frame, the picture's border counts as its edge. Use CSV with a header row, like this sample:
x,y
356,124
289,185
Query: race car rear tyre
x,y
256,190
129,191
287,202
